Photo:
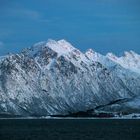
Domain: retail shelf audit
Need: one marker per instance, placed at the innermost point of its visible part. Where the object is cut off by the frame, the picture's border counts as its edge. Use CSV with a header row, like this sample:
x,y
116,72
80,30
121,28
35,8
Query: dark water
x,y
69,129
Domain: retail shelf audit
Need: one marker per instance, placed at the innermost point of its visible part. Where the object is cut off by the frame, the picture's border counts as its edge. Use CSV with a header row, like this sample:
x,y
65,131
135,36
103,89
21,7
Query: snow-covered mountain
x,y
53,78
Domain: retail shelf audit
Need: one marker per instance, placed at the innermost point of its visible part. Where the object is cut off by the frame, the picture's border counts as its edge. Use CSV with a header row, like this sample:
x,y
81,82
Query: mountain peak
x,y
90,52
111,56
92,55
130,54
61,46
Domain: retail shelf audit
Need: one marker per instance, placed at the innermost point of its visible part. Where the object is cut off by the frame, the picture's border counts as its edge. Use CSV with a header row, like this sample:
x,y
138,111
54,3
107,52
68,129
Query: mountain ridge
x,y
53,77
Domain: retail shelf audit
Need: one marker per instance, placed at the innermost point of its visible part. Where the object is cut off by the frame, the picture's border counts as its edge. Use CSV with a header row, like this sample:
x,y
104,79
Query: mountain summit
x,y
55,78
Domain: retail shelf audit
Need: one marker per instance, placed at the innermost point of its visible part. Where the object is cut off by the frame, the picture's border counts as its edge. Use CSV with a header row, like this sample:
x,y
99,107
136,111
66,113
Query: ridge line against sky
x,y
103,25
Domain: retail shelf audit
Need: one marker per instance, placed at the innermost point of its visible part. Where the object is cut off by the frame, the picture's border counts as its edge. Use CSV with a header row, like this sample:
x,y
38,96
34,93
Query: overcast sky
x,y
103,25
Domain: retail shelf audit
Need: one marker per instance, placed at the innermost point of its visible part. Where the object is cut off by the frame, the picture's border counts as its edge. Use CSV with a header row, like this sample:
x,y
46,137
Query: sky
x,y
103,25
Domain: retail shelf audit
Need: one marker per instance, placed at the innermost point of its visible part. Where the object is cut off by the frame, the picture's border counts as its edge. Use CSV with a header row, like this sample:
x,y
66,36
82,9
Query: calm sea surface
x,y
69,129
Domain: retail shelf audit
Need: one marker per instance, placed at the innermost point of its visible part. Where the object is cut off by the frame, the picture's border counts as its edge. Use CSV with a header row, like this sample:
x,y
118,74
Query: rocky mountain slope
x,y
53,77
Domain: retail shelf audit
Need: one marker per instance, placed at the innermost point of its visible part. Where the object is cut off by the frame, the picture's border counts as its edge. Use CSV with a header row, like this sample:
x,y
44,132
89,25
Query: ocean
x,y
69,129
